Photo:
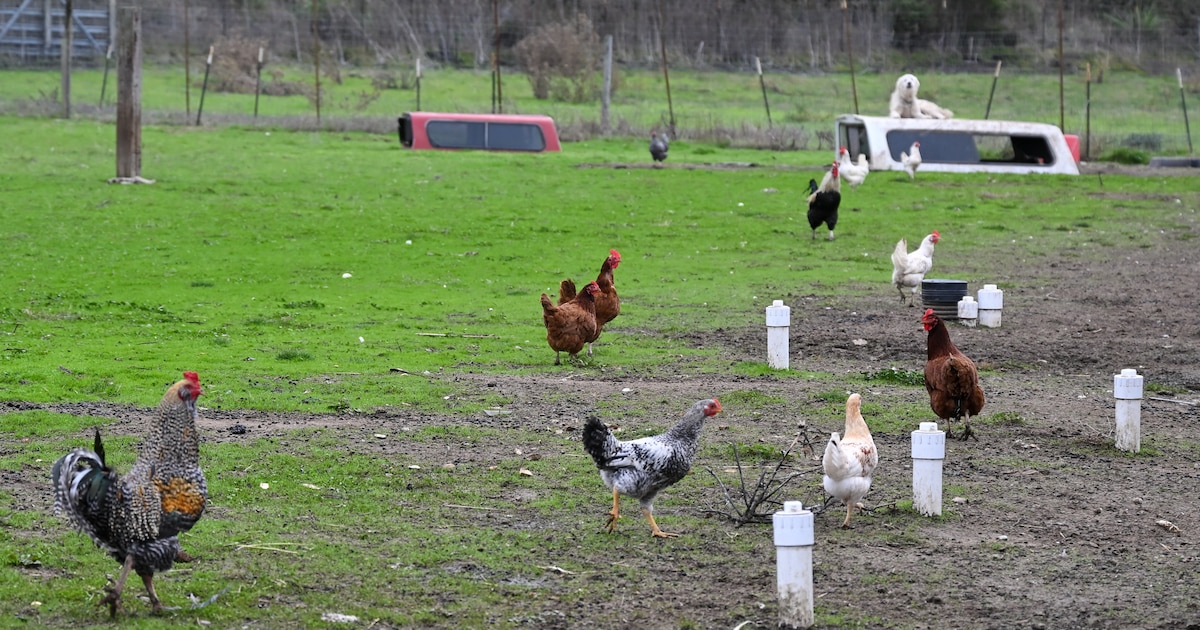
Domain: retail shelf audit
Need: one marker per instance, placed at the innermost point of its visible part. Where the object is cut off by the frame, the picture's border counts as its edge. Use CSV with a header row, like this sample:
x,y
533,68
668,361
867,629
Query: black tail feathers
x,y
595,439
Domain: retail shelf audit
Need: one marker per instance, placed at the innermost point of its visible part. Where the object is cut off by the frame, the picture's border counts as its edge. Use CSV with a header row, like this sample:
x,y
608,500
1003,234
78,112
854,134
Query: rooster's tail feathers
x,y
598,441
81,483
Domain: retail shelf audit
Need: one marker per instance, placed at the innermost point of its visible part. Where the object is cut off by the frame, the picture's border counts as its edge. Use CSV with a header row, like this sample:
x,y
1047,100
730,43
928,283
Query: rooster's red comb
x,y
192,377
928,312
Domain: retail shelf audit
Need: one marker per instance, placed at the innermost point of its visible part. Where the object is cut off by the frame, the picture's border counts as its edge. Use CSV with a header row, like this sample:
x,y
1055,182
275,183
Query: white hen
x,y
911,160
852,173
850,459
909,268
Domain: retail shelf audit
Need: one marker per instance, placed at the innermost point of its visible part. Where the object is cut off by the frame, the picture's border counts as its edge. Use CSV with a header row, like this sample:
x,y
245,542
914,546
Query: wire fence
x,y
790,40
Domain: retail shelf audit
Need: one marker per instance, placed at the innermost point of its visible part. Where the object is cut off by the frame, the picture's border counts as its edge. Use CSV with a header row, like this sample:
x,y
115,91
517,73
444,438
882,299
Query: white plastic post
x,y
1127,388
991,301
779,319
968,311
793,553
928,451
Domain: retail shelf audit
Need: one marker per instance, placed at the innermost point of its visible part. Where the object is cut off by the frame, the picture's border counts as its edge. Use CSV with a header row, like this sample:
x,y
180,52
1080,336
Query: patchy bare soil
x,y
1055,527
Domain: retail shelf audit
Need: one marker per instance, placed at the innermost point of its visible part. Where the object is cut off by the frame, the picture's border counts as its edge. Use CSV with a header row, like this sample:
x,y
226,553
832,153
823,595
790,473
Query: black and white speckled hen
x,y
642,468
137,517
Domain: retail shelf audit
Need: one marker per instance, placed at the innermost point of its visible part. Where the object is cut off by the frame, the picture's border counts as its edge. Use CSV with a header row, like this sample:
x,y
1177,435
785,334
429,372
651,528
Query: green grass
x,y
233,263
1129,108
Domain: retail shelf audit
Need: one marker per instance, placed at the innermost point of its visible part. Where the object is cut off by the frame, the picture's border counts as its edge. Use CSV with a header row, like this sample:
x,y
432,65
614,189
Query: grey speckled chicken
x,y
137,517
659,146
644,467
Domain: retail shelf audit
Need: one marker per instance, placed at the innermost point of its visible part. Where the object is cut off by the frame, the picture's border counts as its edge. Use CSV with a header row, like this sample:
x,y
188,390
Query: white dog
x,y
905,103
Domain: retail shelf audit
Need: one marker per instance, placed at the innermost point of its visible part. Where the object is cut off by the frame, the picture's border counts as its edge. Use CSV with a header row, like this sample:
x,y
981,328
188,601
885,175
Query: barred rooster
x,y
137,517
642,468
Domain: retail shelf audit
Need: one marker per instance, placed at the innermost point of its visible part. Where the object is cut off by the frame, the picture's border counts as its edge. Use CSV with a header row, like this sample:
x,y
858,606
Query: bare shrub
x,y
235,60
563,61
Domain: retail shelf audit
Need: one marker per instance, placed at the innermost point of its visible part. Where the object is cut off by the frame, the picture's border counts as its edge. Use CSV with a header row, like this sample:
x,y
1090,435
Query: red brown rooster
x,y
569,326
608,304
951,378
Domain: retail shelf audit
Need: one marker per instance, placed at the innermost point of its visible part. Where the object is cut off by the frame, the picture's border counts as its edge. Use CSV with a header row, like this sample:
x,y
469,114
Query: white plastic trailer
x,y
958,145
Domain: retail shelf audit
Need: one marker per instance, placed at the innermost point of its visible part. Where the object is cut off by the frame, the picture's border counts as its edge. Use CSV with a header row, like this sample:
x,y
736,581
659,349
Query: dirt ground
x,y
1055,528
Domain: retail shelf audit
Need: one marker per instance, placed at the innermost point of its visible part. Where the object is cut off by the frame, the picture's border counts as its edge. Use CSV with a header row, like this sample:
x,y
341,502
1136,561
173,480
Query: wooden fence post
x,y
67,44
129,96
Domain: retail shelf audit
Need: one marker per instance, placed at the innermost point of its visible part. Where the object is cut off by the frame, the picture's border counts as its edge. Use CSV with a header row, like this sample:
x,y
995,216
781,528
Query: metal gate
x,y
34,30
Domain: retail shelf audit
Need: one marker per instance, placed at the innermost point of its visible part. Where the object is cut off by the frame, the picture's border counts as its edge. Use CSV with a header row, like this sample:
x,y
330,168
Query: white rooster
x,y
852,173
911,160
909,268
850,459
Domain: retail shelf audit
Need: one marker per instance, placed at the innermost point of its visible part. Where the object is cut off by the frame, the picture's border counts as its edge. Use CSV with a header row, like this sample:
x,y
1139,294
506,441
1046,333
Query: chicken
x,y
642,468
824,201
850,459
909,268
608,304
659,146
911,160
571,325
950,377
137,517
853,173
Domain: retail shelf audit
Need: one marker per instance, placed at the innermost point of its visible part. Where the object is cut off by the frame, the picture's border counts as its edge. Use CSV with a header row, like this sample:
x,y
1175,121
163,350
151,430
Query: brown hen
x,y
570,325
608,304
951,377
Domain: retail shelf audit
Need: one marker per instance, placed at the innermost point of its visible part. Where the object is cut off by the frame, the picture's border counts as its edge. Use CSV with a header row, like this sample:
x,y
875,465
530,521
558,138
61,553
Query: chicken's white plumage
x,y
909,268
850,459
911,160
853,173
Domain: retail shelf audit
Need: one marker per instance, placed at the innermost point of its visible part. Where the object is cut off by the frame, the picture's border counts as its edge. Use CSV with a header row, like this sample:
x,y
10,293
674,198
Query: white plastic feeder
x,y
991,302
793,558
968,311
779,319
928,452
1127,388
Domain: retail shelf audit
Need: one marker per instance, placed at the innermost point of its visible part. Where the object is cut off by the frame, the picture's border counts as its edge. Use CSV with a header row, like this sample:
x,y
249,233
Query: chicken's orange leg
x,y
849,509
113,598
654,530
614,515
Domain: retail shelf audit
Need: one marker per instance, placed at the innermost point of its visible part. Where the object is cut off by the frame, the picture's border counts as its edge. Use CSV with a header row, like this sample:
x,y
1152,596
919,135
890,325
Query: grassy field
x,y
1127,109
234,263
297,272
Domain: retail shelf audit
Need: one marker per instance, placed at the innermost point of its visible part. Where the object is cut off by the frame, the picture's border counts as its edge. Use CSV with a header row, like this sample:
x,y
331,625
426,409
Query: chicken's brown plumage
x,y
608,303
137,517
570,325
951,377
